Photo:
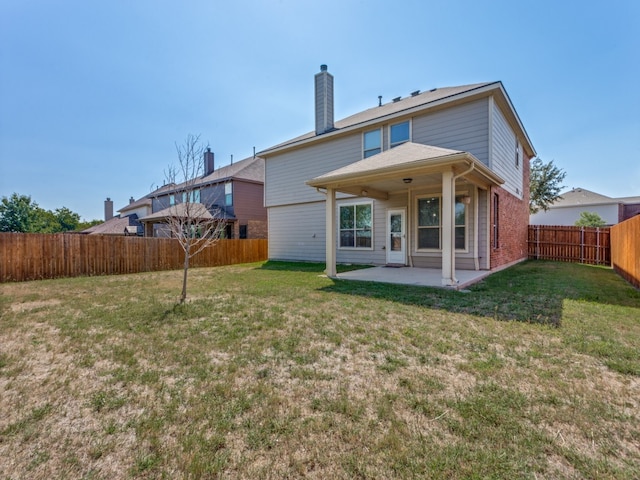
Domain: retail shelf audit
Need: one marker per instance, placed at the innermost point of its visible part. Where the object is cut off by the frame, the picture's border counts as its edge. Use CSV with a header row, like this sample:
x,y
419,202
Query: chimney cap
x,y
323,68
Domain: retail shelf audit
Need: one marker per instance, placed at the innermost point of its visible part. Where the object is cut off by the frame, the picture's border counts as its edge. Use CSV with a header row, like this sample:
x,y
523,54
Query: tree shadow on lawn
x,y
532,291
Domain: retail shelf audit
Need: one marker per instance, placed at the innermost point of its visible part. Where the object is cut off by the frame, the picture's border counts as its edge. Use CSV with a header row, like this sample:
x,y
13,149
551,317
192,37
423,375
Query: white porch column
x,y
448,225
331,233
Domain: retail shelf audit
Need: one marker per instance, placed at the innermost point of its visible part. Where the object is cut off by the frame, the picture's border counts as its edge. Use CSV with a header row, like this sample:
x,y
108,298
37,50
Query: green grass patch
x,y
273,370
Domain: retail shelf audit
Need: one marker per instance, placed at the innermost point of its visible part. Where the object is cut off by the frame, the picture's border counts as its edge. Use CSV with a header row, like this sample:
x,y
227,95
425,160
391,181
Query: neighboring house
x,y
567,209
438,179
234,195
126,223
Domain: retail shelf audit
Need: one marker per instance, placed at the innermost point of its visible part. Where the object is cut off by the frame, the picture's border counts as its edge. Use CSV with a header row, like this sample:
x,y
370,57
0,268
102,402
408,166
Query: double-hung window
x,y
398,134
356,225
430,223
372,143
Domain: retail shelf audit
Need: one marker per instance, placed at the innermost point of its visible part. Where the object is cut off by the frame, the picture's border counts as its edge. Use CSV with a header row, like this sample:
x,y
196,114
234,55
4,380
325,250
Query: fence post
x,y
581,244
597,245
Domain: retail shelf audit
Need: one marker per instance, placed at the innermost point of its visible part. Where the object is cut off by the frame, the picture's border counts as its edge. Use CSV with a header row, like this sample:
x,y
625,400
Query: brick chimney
x,y
324,101
209,165
108,209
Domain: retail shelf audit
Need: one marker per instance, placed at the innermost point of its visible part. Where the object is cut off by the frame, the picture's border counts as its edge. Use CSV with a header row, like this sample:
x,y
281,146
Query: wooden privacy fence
x,y
33,256
625,249
570,244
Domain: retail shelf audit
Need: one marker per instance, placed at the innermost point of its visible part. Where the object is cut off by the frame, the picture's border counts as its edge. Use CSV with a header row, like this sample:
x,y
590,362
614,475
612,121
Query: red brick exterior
x,y
513,223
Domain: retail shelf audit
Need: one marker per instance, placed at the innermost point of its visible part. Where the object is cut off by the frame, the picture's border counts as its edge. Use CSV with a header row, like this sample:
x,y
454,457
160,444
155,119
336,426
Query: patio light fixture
x,y
407,180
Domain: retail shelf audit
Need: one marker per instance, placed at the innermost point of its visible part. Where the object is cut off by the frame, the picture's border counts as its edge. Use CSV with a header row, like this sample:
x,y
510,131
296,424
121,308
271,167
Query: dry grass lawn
x,y
274,371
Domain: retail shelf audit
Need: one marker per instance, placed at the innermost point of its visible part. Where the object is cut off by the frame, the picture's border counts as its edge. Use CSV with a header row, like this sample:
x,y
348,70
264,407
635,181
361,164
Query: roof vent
x,y
433,90
417,92
379,100
397,99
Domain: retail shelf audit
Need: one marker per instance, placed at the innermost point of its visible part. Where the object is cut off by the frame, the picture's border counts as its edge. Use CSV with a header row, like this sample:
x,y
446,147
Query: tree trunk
x,y
183,297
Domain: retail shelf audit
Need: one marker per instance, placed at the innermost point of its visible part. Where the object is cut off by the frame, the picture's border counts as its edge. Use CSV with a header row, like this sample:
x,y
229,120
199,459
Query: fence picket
x,y
34,256
570,244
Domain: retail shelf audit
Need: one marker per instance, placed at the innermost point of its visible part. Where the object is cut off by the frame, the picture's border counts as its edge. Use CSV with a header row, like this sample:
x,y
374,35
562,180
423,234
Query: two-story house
x,y
232,194
439,179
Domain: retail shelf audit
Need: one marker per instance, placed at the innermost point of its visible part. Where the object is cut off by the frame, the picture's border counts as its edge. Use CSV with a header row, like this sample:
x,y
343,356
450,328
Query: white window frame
x,y
392,145
439,227
364,151
339,230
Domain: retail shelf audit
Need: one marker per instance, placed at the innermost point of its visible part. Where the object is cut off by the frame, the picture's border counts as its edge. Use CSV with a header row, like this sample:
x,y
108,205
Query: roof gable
x,y
412,105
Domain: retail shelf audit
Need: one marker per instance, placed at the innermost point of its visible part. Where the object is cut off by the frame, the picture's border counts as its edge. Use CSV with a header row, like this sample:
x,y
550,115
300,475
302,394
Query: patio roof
x,y
410,162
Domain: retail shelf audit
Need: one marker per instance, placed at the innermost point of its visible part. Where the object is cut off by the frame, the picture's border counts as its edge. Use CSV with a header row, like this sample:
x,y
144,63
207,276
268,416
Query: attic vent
x,y
397,99
417,92
433,90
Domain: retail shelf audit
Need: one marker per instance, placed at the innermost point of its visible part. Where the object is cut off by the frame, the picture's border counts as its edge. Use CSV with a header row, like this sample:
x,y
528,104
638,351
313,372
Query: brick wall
x,y
513,224
255,229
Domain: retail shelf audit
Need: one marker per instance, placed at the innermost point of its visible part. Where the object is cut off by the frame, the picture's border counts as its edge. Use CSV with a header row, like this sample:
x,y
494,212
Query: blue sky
x,y
95,94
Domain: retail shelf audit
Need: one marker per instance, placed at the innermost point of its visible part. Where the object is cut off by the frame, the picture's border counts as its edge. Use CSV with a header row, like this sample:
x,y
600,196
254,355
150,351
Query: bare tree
x,y
195,221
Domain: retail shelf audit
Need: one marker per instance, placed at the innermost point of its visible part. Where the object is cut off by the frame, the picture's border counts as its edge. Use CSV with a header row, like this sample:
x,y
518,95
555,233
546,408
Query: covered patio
x,y
403,170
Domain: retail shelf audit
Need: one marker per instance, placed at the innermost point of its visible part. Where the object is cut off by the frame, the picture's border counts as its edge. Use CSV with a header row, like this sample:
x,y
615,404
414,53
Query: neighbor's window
x,y
430,223
172,200
195,196
356,222
398,134
228,194
372,143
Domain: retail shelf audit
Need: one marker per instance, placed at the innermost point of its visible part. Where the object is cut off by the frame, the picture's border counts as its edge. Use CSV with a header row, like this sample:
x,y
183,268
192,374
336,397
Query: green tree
x,y
67,220
545,184
18,214
590,219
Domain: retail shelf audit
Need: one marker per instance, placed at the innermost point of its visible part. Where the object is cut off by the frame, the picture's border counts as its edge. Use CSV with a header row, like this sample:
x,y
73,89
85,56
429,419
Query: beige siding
x,y
503,160
296,232
286,174
464,127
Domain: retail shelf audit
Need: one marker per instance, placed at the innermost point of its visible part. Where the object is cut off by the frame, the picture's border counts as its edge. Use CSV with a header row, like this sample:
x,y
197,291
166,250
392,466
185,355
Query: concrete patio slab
x,y
423,277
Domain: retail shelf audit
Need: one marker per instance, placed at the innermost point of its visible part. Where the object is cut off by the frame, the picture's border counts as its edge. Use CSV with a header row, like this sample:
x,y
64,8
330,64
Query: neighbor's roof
x,y
251,168
581,196
113,226
408,105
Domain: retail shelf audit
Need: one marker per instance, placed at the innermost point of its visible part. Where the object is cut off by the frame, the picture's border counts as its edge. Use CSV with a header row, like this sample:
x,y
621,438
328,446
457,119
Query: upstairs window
x,y
228,194
372,143
398,134
172,200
